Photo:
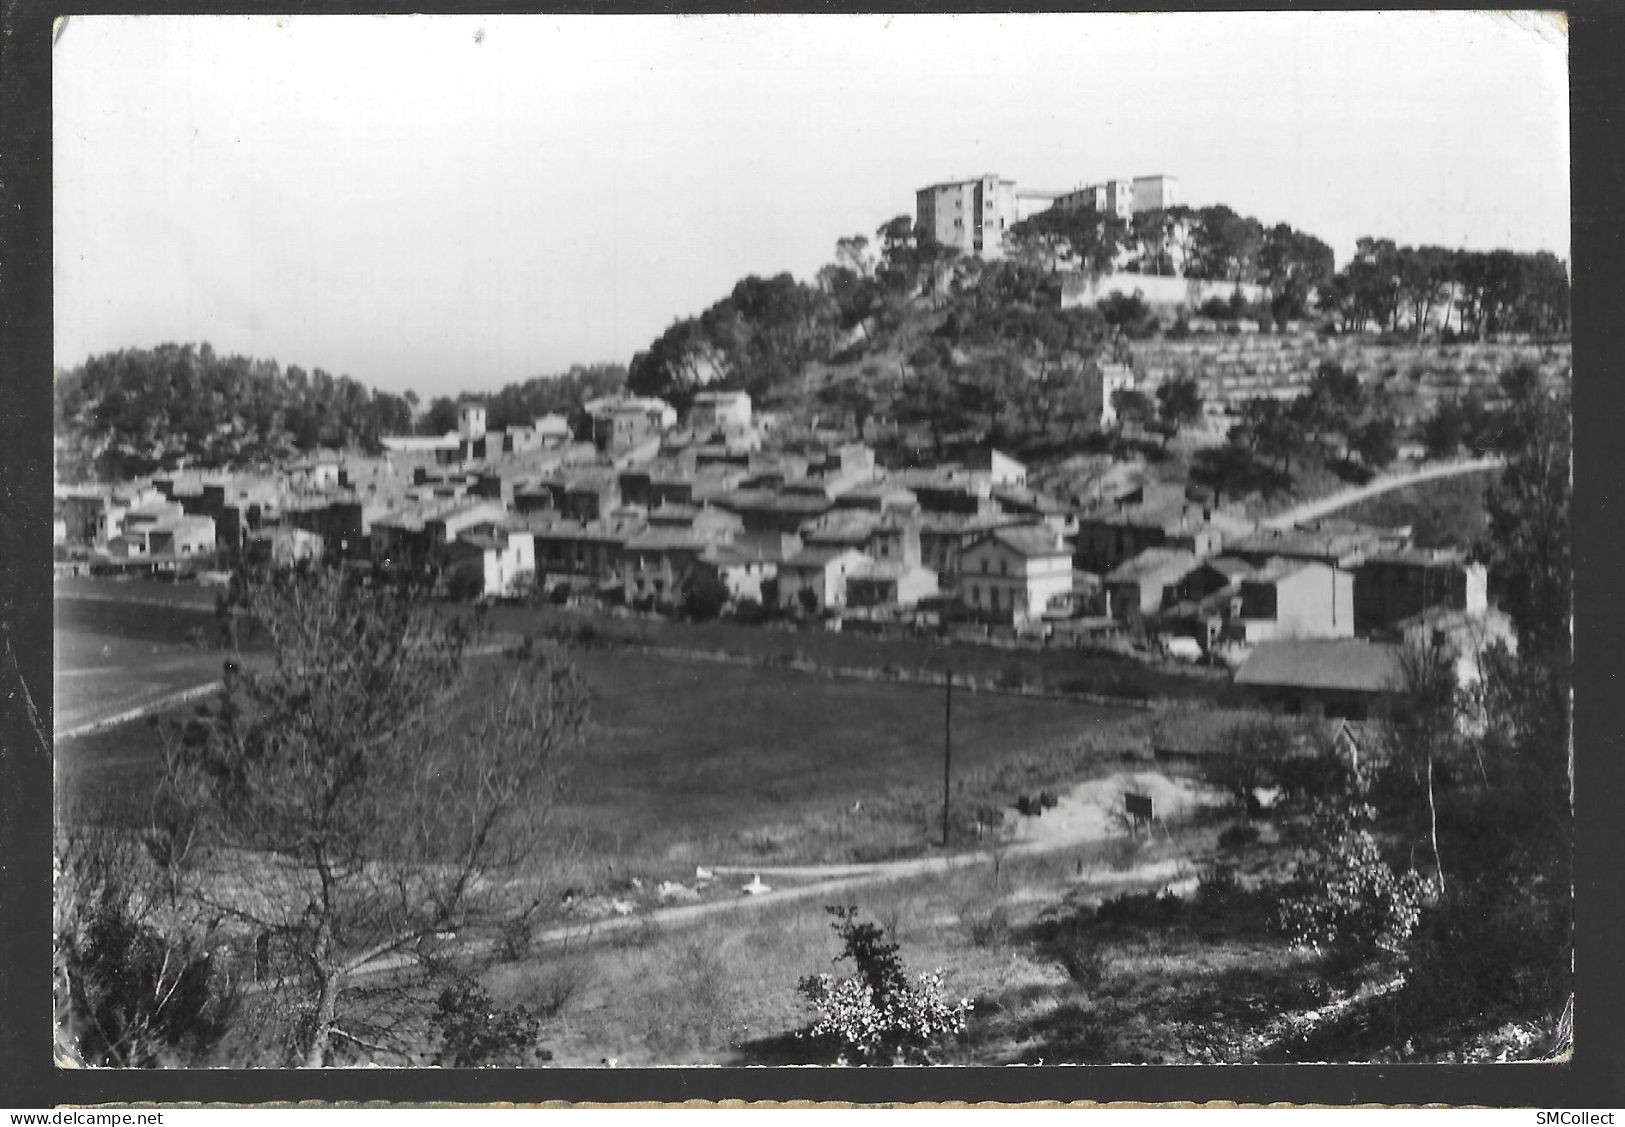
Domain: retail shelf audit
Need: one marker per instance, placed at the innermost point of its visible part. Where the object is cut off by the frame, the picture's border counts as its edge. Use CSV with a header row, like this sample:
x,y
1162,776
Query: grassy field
x,y
1056,668
111,656
687,762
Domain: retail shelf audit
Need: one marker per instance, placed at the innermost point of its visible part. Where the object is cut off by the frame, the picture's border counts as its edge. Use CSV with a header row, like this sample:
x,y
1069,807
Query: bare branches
x,y
373,786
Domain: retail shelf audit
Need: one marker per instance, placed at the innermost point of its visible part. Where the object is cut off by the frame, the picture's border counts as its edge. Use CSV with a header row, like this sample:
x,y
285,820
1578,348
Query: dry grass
x,y
723,990
1178,979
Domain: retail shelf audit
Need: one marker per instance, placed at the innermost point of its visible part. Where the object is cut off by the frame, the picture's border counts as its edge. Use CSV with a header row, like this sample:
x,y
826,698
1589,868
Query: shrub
x,y
988,927
878,1016
1012,677
1238,837
705,597
1217,886
1084,965
137,984
138,997
1352,901
477,1033
749,612
1140,908
560,983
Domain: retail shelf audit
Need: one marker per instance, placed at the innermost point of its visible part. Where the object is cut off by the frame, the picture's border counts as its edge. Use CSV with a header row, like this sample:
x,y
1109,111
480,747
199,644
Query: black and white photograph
x,y
654,541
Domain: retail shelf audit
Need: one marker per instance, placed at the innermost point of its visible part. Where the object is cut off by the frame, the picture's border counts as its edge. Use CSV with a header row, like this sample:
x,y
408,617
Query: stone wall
x,y
1156,290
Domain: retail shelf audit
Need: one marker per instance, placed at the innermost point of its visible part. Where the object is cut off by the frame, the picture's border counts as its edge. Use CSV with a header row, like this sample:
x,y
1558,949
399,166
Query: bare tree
x,y
371,794
1425,725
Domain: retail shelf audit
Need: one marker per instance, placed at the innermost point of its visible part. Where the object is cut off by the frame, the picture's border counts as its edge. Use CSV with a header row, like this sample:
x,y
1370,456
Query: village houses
x,y
1013,574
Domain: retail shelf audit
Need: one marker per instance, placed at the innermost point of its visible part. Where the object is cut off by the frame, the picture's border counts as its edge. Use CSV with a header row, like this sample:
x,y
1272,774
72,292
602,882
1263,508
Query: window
x,y
1004,567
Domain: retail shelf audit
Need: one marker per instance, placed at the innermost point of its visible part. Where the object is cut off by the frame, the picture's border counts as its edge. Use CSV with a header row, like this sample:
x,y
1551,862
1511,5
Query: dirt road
x,y
1085,814
1343,498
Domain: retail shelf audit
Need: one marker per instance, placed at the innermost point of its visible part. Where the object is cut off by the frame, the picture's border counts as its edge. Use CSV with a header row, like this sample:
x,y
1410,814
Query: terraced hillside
x,y
1232,369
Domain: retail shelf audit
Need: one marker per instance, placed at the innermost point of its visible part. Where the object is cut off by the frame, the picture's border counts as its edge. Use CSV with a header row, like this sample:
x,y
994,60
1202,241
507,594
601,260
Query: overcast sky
x,y
449,202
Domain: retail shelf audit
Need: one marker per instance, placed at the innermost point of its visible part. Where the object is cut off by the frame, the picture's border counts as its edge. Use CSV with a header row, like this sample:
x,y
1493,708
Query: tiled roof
x,y
819,556
1421,557
484,541
550,529
1339,663
765,499
1492,621
671,512
1285,542
837,524
1346,526
1029,499
1029,540
666,540
966,522
749,552
880,489
1275,569
1153,562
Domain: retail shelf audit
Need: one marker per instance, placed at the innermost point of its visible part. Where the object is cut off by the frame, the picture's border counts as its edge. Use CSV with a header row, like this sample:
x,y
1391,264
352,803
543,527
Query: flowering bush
x,y
902,1027
877,1015
1351,899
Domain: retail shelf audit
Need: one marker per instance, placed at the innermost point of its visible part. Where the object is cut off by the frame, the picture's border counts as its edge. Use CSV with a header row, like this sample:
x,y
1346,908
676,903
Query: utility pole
x,y
947,746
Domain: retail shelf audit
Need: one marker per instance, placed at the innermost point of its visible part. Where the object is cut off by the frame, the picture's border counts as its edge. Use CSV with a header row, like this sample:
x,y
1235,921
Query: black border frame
x,y
1591,1078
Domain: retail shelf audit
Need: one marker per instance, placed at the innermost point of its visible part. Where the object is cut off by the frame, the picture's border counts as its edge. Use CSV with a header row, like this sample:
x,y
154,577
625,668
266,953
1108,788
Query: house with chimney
x,y
1013,574
897,577
1392,586
1143,586
1290,598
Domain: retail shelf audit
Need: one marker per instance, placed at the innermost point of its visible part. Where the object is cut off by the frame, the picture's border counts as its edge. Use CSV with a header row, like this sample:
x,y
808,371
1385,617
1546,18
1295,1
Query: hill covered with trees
x,y
134,411
903,328
137,410
950,348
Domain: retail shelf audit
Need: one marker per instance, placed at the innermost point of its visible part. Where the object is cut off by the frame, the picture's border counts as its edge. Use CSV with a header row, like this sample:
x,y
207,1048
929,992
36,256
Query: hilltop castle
x,y
974,216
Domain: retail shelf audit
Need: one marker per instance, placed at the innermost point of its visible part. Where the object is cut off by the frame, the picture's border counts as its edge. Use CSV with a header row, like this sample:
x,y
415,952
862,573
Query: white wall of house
x,y
998,582
826,581
1314,602
744,580
505,571
714,410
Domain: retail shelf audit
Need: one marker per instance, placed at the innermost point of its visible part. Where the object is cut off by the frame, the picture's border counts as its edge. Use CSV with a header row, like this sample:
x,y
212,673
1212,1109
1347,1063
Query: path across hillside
x,y
1085,815
1353,495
